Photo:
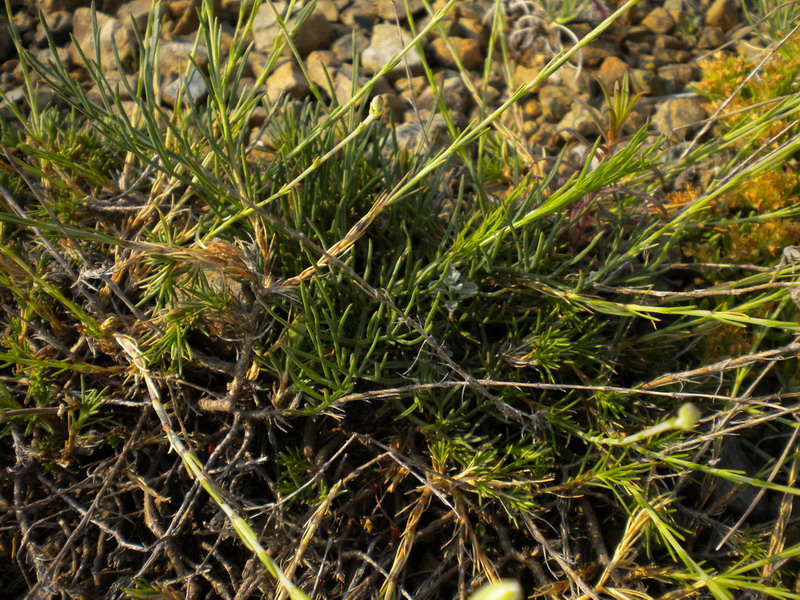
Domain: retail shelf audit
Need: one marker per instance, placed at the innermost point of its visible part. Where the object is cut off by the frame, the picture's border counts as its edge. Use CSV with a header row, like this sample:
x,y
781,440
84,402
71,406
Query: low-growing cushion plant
x,y
387,374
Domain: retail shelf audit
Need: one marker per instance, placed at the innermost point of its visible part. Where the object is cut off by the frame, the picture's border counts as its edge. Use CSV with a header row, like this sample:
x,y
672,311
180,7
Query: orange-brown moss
x,y
723,73
726,341
762,242
679,199
751,242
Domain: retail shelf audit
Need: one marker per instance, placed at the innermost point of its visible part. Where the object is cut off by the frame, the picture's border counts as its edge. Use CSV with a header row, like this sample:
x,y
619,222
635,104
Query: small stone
x,y
612,70
723,14
231,7
329,10
7,78
245,86
50,6
650,84
387,41
411,88
579,30
343,87
496,77
257,62
638,34
112,33
174,58
287,79
675,9
359,15
413,137
529,128
467,9
195,89
260,143
580,83
389,10
532,109
543,136
679,117
639,11
474,29
23,22
129,107
658,21
314,34
184,15
448,27
46,56
670,41
321,66
666,56
44,98
138,10
453,91
578,154
110,6
468,51
555,101
524,74
680,74
648,62
12,96
492,96
579,120
710,37
636,50
342,47
16,72
595,53
258,117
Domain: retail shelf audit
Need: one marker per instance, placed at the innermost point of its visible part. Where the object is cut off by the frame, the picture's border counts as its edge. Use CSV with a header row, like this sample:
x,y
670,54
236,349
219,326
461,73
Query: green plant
x,y
619,105
381,397
454,290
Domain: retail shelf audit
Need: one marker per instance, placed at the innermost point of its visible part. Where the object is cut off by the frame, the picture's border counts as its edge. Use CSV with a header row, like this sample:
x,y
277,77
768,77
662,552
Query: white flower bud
x,y
688,415
505,589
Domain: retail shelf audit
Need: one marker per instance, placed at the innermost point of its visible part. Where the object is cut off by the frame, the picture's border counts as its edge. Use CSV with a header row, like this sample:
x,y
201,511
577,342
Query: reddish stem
x,y
601,8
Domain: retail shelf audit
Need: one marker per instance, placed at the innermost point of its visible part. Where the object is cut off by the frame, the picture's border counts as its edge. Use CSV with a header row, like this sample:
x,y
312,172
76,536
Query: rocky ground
x,y
660,46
